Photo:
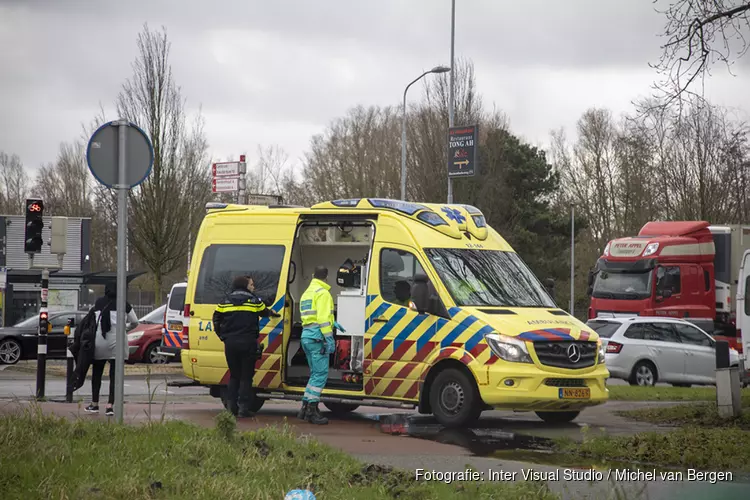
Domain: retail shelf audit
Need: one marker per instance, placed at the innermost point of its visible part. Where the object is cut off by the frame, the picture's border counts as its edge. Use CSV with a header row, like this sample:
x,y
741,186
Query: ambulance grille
x,y
567,354
565,382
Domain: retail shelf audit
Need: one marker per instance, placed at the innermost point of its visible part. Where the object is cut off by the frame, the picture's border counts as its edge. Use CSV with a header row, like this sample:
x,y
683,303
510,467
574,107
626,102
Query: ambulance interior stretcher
x,y
330,244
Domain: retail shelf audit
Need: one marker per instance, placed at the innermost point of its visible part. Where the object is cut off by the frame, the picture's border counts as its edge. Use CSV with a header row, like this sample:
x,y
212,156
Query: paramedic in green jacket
x,y
316,312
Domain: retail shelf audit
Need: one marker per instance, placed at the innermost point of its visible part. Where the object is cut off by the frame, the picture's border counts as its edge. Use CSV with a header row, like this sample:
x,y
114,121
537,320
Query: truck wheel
x,y
454,399
341,408
557,417
644,374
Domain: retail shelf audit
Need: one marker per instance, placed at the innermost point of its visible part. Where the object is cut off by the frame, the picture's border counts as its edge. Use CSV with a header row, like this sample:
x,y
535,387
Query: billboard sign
x,y
462,151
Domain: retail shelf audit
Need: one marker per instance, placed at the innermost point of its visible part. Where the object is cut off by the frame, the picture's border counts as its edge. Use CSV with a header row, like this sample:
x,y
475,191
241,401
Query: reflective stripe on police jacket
x,y
239,316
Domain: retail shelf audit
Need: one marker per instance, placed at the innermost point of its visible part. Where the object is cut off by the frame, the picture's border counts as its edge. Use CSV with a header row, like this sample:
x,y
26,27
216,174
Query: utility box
x,y
59,236
728,395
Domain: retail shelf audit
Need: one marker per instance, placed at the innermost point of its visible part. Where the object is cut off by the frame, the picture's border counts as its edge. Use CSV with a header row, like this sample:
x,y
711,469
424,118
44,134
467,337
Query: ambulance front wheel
x,y
454,399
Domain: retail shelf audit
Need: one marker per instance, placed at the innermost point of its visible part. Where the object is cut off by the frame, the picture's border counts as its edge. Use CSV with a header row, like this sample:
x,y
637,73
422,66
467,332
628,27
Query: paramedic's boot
x,y
314,416
302,414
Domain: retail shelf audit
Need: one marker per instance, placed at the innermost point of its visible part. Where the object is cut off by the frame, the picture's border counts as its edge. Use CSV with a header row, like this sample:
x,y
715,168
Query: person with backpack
x,y
105,345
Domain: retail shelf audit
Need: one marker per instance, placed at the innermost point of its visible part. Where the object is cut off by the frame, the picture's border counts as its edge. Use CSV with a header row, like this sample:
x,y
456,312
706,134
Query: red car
x,y
144,340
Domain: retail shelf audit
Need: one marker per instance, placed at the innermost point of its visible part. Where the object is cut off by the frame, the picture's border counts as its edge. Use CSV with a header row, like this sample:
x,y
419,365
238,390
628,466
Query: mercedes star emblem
x,y
574,353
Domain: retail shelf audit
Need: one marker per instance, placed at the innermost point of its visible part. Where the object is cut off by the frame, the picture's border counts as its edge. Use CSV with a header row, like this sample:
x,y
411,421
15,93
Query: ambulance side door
x,y
395,333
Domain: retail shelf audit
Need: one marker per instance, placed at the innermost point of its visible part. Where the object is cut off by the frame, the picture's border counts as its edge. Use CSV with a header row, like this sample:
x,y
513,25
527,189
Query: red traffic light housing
x,y
43,316
34,225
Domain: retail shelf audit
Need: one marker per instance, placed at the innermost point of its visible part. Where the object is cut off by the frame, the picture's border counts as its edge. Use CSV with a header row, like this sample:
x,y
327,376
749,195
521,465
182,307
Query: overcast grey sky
x,y
277,72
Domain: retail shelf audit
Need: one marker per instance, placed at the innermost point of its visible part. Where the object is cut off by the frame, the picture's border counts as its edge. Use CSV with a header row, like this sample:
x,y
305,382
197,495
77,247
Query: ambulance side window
x,y
397,269
222,263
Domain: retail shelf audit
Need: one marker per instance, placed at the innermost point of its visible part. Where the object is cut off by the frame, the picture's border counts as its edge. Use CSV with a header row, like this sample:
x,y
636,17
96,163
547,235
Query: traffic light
x,y
44,324
34,224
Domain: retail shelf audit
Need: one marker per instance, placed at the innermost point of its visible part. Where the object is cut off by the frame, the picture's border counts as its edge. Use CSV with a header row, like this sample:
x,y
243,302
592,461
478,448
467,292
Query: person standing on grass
x,y
105,345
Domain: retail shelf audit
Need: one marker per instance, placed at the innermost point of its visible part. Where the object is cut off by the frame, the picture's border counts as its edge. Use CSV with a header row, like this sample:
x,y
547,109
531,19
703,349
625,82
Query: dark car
x,y
20,341
144,340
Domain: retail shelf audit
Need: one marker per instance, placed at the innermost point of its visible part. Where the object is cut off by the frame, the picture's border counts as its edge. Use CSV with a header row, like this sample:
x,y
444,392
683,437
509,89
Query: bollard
x,y
728,396
71,362
69,375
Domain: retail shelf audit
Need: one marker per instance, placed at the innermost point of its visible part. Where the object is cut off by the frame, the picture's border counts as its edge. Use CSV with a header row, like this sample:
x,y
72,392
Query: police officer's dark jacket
x,y
237,318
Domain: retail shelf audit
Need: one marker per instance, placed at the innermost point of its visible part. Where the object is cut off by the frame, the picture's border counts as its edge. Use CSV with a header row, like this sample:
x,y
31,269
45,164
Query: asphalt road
x,y
502,445
14,384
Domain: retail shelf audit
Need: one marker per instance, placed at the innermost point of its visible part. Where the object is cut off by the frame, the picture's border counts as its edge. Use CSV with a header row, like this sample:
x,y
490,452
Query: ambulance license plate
x,y
174,326
575,393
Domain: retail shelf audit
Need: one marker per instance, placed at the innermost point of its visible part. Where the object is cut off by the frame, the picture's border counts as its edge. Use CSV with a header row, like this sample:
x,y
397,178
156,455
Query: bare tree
x,y
13,184
357,155
168,206
66,184
271,173
699,34
680,163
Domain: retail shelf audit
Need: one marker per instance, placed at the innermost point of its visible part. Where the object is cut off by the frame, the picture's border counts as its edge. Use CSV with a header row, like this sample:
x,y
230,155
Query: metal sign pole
x,y
120,156
572,258
122,225
452,83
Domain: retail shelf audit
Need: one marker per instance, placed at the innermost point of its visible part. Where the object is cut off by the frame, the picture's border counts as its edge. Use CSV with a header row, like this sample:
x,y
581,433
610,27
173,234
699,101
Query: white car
x,y
647,350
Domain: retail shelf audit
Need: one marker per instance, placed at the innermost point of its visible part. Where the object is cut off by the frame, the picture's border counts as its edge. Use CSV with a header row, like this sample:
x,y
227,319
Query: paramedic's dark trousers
x,y
97,371
241,362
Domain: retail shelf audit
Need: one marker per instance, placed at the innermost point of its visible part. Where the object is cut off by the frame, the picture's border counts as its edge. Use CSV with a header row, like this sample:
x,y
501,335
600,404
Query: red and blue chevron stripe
x,y
549,334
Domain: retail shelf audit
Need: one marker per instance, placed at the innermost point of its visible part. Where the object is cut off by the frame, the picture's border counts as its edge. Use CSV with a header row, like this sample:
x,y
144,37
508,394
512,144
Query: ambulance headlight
x,y
602,352
508,348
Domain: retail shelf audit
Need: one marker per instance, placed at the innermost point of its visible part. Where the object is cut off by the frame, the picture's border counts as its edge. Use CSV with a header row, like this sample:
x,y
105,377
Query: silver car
x,y
647,350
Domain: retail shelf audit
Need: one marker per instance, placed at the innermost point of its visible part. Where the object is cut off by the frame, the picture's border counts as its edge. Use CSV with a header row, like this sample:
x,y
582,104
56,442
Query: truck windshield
x,y
488,278
620,285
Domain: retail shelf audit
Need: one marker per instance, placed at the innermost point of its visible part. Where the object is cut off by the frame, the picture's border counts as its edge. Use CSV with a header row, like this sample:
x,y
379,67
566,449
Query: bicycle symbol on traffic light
x,y
35,207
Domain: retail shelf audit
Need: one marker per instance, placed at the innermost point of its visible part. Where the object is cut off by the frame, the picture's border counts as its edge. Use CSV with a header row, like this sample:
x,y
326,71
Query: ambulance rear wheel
x,y
340,408
454,399
255,406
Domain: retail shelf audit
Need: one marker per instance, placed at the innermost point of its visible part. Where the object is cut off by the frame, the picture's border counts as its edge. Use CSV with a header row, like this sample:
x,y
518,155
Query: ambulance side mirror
x,y
437,308
420,294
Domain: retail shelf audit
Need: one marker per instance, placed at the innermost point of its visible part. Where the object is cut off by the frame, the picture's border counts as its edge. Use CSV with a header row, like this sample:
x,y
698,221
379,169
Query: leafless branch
x,y
699,34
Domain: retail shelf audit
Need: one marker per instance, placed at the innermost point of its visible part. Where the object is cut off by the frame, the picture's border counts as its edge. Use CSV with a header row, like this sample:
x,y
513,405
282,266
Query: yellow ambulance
x,y
440,313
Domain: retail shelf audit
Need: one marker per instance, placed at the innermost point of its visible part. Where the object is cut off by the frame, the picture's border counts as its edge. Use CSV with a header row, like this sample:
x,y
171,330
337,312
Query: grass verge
x,y
658,393
725,449
169,460
698,414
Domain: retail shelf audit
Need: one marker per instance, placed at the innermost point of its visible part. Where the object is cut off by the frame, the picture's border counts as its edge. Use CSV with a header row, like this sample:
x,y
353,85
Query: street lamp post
x,y
436,69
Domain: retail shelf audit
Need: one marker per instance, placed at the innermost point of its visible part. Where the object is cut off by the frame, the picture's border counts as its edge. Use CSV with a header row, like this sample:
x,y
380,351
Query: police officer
x,y
316,312
236,322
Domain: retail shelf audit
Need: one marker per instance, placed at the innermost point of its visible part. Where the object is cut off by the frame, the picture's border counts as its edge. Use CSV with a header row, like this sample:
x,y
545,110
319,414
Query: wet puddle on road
x,y
487,442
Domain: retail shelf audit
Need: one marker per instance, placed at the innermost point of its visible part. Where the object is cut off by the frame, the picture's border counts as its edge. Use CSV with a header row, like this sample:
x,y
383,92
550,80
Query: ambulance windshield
x,y
488,278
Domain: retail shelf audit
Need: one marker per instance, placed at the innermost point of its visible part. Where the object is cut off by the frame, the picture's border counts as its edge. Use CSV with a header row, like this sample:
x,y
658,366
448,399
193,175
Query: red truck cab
x,y
667,270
